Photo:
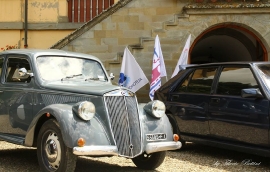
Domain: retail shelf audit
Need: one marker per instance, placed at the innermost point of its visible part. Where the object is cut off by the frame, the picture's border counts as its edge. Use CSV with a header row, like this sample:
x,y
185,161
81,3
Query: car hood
x,y
94,88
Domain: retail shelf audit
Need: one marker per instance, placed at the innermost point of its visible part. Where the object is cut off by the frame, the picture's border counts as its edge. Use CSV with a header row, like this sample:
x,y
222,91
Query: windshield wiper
x,y
71,76
93,79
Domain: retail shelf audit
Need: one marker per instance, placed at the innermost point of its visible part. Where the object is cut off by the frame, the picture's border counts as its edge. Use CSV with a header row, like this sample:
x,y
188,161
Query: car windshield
x,y
53,68
264,70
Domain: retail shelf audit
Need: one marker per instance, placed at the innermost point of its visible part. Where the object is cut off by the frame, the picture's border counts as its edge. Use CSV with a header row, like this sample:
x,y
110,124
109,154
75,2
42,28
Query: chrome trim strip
x,y
140,122
95,150
108,118
162,146
130,139
130,136
120,92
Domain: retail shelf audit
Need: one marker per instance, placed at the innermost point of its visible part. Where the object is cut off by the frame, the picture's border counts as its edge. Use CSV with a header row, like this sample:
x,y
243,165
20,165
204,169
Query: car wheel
x,y
149,161
53,154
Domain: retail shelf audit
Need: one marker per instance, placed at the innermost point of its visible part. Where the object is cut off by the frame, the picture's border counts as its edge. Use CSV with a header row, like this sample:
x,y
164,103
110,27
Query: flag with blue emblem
x,y
131,74
158,69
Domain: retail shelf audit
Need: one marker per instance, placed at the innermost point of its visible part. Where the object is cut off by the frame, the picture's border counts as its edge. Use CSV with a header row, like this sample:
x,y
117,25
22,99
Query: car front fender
x,y
72,127
152,125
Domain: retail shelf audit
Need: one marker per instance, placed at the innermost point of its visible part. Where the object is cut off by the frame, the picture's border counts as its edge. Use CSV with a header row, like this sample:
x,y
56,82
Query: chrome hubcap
x,y
53,151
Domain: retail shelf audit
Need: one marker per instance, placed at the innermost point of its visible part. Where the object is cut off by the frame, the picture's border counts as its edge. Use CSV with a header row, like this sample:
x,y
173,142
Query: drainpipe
x,y
25,23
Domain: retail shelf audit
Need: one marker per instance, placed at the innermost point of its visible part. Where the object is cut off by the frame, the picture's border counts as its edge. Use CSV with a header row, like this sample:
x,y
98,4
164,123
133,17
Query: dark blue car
x,y
221,104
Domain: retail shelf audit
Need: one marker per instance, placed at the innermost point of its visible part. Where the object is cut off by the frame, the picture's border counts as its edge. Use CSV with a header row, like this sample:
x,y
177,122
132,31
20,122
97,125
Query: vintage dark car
x,y
65,104
221,104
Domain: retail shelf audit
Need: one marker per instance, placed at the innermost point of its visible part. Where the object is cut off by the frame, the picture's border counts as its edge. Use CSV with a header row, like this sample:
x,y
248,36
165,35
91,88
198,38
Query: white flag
x,y
131,74
158,69
183,58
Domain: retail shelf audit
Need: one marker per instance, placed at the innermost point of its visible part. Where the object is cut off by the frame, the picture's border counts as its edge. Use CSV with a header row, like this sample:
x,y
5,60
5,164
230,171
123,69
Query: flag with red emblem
x,y
158,69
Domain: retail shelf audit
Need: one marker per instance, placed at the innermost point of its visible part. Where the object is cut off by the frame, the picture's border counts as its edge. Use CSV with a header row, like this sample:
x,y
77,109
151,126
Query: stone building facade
x,y
41,23
221,30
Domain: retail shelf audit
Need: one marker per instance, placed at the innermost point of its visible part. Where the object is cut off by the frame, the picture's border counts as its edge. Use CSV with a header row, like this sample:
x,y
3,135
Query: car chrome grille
x,y
125,124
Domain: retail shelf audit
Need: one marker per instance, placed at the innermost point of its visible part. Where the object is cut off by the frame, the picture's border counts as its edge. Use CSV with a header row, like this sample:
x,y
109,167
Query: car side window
x,y
1,64
233,79
200,81
12,74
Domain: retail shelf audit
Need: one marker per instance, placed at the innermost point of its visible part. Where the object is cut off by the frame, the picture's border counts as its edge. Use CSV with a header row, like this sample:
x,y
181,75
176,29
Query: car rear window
x,y
199,81
233,79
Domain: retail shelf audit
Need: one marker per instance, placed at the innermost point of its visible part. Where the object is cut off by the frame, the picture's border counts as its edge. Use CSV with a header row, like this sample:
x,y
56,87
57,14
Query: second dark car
x,y
221,104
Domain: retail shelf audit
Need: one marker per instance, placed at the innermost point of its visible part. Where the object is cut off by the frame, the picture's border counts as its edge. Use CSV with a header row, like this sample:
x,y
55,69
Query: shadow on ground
x,y
220,159
25,160
194,157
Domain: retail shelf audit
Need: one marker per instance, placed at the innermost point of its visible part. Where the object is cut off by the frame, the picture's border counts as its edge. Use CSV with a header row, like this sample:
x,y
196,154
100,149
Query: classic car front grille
x,y
125,124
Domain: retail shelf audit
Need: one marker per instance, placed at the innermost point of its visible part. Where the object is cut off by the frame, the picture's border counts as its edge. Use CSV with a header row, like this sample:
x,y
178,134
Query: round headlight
x,y
86,110
158,108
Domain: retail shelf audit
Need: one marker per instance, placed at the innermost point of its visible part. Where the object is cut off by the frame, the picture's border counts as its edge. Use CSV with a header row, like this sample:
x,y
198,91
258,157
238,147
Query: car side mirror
x,y
251,93
23,72
112,76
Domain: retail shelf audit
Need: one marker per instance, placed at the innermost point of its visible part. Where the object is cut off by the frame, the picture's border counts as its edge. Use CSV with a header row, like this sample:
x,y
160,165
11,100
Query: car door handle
x,y
175,97
215,100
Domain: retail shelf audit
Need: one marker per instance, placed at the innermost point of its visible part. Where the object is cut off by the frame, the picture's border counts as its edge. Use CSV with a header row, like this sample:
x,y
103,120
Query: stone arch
x,y
228,42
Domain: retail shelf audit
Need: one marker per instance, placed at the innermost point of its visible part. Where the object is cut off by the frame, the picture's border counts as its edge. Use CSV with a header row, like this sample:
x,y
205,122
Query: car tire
x,y
149,161
53,154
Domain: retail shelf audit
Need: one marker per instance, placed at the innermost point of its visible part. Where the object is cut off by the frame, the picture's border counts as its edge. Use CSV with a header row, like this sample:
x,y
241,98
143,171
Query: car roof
x,y
46,52
226,63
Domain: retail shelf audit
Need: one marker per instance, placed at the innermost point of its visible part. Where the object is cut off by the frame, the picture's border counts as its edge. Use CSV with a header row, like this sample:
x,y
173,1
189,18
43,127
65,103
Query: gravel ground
x,y
193,158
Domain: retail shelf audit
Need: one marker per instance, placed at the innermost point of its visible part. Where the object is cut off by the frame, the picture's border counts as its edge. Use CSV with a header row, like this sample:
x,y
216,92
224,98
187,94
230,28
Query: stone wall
x,y
136,25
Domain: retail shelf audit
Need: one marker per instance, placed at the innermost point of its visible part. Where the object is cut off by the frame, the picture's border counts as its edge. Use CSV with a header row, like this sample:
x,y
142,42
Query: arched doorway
x,y
227,42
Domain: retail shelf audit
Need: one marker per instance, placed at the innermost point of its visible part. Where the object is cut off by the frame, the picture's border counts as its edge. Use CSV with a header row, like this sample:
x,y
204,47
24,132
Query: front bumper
x,y
96,150
113,151
162,146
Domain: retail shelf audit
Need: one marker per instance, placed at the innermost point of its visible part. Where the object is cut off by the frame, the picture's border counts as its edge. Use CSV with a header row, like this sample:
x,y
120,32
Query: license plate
x,y
154,137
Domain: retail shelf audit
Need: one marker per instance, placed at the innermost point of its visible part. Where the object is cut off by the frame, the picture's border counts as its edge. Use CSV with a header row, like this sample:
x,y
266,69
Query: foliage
x,y
9,47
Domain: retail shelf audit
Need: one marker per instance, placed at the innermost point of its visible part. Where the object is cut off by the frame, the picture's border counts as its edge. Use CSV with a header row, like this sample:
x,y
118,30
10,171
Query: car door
x,y
2,102
189,101
234,118
16,95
